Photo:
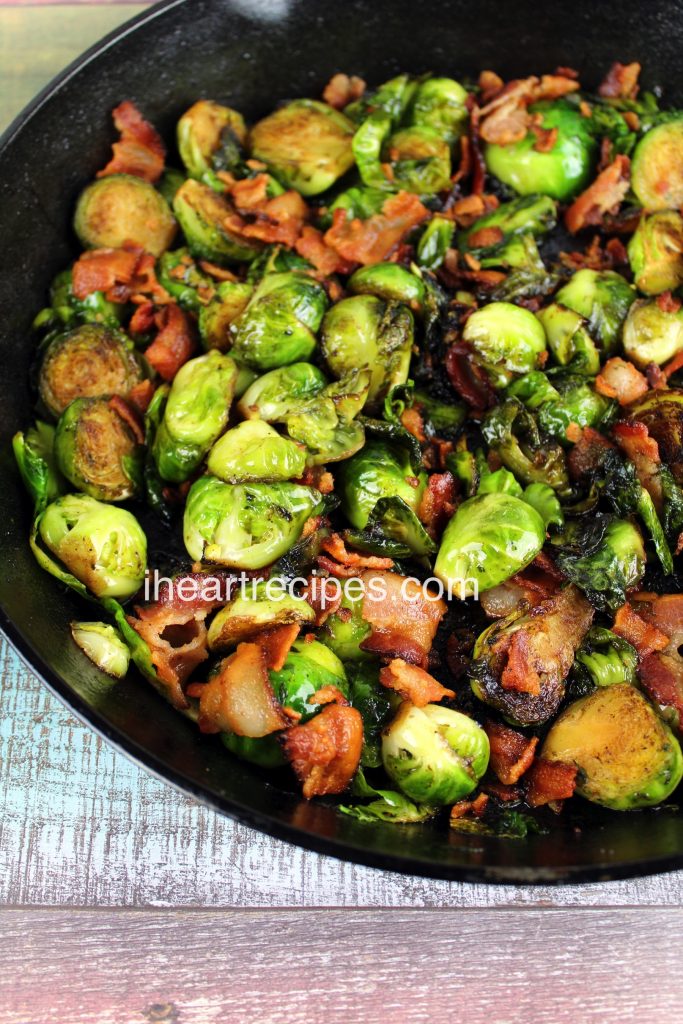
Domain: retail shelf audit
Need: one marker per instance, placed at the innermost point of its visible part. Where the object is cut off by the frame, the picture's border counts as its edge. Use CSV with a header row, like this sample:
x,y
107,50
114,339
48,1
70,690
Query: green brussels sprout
x,y
652,334
201,131
607,659
97,451
325,423
345,629
568,399
364,331
276,395
86,362
511,431
216,318
661,411
310,665
253,450
102,545
545,501
419,157
656,176
378,471
560,173
500,481
202,214
507,341
535,214
655,252
65,310
178,273
245,526
605,557
103,645
388,281
434,243
360,203
252,611
627,757
121,208
196,414
280,322
435,755
568,339
306,144
604,298
490,538
392,97
440,103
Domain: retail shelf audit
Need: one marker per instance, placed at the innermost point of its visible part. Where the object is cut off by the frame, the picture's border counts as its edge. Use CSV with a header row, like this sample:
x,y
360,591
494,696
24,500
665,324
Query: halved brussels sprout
x,y
490,538
121,208
435,755
65,309
627,757
327,436
253,450
507,341
561,172
605,557
529,213
306,144
102,545
251,611
87,362
216,318
569,340
310,665
655,252
569,399
606,658
245,526
512,432
661,411
604,298
201,132
388,281
652,334
416,159
196,414
656,175
440,103
178,273
202,214
364,331
345,629
378,471
280,322
276,395
103,645
97,451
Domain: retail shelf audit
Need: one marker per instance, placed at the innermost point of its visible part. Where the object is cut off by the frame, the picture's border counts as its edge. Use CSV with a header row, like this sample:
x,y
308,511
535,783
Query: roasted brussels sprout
x,y
310,665
490,538
435,755
507,341
392,97
103,645
279,325
97,451
252,610
529,213
325,424
661,411
196,414
345,629
65,310
604,298
559,173
655,252
568,399
364,331
265,751
245,526
389,281
378,471
440,103
121,208
652,334
511,431
434,243
253,450
178,273
606,658
306,145
202,214
276,395
627,757
202,131
217,317
102,545
418,158
87,362
656,176
605,557
568,339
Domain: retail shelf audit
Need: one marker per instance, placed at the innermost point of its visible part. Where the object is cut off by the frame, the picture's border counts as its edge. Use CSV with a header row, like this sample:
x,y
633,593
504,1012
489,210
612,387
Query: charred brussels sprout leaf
x,y
606,659
121,208
325,424
245,526
202,215
96,450
252,451
306,144
568,339
544,499
309,667
656,175
434,243
418,157
389,281
216,318
605,557
506,339
393,97
103,645
279,325
535,214
203,131
378,471
181,277
384,804
604,298
655,252
276,395
568,399
662,413
652,334
512,433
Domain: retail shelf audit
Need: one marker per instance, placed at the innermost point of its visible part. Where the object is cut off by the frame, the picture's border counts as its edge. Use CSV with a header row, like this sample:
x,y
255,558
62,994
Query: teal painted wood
x,y
80,825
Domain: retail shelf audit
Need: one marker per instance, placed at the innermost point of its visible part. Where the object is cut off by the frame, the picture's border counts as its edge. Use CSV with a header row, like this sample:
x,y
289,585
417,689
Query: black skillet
x,y
250,54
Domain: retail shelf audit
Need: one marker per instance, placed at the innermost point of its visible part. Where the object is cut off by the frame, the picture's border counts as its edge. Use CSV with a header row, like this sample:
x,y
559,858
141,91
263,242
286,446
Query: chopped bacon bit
x,y
325,751
412,420
519,672
549,781
665,611
485,237
342,90
545,138
504,794
621,380
219,273
490,83
465,165
119,273
277,221
563,72
588,452
404,619
656,377
342,572
438,502
140,150
312,525
632,120
312,246
372,240
511,752
620,82
329,695
668,303
130,416
645,637
239,698
585,109
174,343
661,676
468,378
470,208
276,644
573,432
603,196
475,807
506,119
334,545
318,477
413,683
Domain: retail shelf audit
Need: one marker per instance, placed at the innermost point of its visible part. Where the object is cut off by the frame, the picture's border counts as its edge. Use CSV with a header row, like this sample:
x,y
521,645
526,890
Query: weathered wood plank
x,y
310,967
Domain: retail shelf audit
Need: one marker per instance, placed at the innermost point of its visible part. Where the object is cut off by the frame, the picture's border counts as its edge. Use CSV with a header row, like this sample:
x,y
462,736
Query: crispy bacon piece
x,y
325,751
645,637
520,673
404,620
413,683
276,644
413,421
668,303
277,221
468,378
438,502
673,366
504,794
511,752
485,237
621,380
324,597
661,676
634,440
140,150
329,695
342,90
490,84
545,137
318,477
334,545
141,395
464,807
312,246
603,196
665,611
240,697
620,82
549,782
505,118
588,452
661,670
373,240
130,416
174,343
119,273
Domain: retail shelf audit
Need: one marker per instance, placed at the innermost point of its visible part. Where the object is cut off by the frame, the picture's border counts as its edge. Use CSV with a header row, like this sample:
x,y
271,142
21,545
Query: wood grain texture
x,y
325,966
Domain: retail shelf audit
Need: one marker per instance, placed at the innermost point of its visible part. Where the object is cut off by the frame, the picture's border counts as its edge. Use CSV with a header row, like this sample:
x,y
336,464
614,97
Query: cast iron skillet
x,y
250,54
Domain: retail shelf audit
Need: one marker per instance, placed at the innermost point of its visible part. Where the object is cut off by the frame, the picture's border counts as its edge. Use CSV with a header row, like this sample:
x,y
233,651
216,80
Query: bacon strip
x,y
140,150
438,503
621,380
325,751
413,683
240,697
602,197
334,545
403,620
549,781
278,220
119,273
511,752
645,637
620,82
643,451
505,118
312,246
373,240
174,343
276,643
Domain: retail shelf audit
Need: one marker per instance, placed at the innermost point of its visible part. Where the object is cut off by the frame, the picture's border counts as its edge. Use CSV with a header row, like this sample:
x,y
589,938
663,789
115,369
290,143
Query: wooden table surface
x,y
125,901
